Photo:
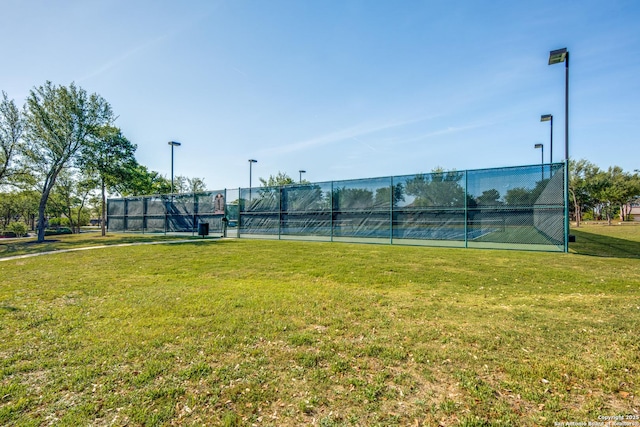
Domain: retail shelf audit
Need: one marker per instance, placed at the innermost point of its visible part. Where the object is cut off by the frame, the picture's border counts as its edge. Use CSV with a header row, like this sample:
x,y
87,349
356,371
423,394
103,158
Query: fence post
x,y
391,212
240,207
126,215
566,203
331,203
466,209
280,191
144,213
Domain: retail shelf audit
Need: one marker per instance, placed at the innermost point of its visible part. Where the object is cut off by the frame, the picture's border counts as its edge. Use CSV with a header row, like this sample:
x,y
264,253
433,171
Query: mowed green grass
x,y
275,333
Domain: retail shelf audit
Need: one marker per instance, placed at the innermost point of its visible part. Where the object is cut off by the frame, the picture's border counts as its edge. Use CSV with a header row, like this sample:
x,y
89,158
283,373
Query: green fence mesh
x,y
510,208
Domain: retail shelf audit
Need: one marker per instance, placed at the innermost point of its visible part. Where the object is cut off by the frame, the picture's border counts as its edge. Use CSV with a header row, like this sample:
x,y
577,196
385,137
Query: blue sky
x,y
343,89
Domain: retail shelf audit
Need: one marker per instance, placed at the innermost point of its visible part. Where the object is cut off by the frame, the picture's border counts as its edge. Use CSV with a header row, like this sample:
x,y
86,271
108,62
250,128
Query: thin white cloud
x,y
440,132
344,134
115,61
369,146
194,19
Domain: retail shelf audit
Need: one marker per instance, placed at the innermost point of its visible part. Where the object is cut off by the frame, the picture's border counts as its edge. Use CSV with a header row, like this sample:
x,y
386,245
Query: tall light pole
x,y
251,162
301,172
549,118
172,144
555,57
542,158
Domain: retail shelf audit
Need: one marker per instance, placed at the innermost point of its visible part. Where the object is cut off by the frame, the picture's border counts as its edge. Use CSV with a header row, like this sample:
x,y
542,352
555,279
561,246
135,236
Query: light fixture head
x,y
174,143
546,117
538,146
253,161
558,55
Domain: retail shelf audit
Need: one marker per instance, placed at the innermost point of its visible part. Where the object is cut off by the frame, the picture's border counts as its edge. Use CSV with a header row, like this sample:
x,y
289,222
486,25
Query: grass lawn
x,y
288,333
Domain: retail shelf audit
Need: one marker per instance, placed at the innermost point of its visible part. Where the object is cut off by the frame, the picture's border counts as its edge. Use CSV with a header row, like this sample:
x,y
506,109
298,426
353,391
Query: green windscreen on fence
x,y
509,208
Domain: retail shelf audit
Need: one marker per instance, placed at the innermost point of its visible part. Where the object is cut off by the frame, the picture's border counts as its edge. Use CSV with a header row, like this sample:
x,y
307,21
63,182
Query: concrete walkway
x,y
86,248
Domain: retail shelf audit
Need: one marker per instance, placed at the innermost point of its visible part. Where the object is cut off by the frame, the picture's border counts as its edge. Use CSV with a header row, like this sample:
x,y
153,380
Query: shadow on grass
x,y
604,246
29,246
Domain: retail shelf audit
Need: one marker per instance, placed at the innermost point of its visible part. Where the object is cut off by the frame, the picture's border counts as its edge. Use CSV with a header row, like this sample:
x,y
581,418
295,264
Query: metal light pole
x,y
542,158
549,118
301,172
251,162
172,144
555,57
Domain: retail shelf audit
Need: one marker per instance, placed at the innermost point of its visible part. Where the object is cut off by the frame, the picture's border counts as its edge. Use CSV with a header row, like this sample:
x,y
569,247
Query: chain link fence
x,y
506,208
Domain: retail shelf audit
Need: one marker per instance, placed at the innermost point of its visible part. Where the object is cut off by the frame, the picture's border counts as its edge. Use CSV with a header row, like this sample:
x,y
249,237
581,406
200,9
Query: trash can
x,y
203,229
225,223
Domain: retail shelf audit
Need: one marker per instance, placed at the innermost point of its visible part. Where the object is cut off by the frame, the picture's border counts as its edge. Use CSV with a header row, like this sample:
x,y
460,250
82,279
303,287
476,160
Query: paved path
x,y
86,248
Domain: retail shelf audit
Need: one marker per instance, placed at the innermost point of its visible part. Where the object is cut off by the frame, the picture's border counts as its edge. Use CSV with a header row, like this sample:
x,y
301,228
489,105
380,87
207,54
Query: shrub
x,y
19,228
57,231
59,222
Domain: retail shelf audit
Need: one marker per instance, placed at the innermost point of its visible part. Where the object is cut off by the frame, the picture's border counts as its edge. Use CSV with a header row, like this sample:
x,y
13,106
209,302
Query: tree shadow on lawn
x,y
604,246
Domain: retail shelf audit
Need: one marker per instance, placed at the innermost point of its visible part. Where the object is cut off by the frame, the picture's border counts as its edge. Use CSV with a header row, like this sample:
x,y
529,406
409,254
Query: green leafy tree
x,y
614,188
383,195
180,184
437,189
518,196
632,195
63,198
70,196
353,198
196,185
108,160
279,180
18,205
12,125
142,182
184,184
8,209
489,198
582,186
19,228
603,193
60,122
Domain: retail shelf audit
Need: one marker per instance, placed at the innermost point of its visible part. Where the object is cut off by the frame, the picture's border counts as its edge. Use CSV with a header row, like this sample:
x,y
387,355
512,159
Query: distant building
x,y
635,211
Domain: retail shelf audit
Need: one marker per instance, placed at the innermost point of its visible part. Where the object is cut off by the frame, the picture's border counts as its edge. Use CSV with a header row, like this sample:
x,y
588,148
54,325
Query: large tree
x,y
143,182
60,122
277,181
614,188
11,130
109,159
632,195
184,184
196,185
582,186
437,189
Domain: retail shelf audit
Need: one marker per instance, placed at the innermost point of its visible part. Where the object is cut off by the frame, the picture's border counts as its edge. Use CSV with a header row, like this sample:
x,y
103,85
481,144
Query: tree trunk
x,y
103,216
41,218
79,215
577,209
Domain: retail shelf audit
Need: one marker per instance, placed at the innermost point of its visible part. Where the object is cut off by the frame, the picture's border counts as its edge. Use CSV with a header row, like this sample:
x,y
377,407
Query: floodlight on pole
x,y
301,172
555,57
172,144
542,158
549,118
251,162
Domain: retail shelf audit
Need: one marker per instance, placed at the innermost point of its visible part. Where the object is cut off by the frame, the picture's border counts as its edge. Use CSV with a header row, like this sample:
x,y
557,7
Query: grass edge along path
x,y
87,248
